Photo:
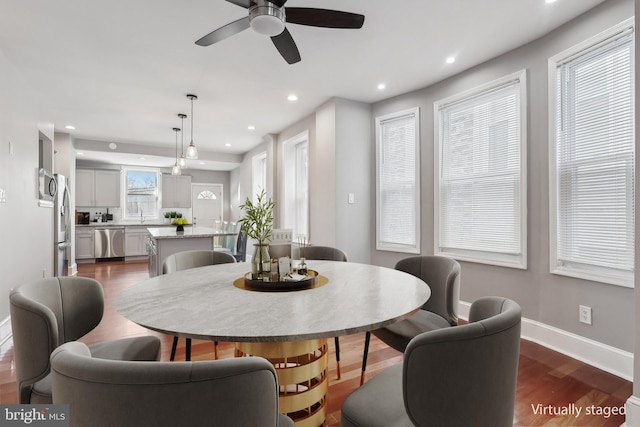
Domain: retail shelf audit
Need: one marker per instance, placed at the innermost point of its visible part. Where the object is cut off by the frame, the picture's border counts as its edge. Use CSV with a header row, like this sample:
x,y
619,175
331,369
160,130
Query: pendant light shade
x,y
175,170
192,151
182,161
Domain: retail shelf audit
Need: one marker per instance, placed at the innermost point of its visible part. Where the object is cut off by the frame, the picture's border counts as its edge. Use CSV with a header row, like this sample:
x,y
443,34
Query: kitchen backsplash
x,y
95,213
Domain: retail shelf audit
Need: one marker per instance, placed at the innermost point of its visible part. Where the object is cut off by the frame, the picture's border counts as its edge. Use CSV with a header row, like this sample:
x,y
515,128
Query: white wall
x,y
22,221
340,162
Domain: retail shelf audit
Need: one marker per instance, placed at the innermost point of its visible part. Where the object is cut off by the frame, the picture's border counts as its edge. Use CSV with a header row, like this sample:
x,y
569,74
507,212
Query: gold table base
x,y
302,369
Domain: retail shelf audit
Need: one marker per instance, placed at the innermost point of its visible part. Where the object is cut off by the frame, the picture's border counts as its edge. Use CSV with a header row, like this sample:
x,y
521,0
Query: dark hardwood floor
x,y
547,381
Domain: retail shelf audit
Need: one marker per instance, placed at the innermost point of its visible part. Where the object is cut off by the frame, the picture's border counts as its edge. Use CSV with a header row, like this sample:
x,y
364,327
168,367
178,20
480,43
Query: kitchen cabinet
x,y
97,188
85,248
135,241
176,191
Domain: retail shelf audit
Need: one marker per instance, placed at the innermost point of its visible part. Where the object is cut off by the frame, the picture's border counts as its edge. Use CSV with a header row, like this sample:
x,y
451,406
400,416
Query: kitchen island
x,y
165,241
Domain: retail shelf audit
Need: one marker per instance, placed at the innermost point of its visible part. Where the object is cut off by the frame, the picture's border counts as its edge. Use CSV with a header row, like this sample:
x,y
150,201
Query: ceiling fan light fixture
x,y
266,19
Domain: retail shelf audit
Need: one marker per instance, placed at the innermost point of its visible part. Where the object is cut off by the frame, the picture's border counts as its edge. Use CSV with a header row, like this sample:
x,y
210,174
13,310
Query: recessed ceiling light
x,y
251,127
292,97
451,60
142,158
382,86
227,145
550,1
113,145
70,127
80,153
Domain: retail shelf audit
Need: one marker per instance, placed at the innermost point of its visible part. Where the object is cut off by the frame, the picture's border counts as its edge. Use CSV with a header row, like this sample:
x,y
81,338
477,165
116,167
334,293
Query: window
x,y
141,195
295,212
480,192
397,186
206,195
259,175
592,159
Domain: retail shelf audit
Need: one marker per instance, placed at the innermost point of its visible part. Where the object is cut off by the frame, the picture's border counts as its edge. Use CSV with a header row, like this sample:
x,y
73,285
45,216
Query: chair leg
x,y
174,346
188,350
215,350
337,344
367,338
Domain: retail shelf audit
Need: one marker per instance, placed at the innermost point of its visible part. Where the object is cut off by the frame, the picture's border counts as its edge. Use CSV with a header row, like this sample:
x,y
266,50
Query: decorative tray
x,y
282,285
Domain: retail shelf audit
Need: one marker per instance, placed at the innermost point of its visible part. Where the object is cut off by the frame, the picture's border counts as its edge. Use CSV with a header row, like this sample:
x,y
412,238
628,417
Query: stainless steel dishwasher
x,y
109,243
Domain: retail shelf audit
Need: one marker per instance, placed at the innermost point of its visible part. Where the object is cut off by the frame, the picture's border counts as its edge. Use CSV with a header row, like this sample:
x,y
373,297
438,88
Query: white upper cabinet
x,y
176,191
97,188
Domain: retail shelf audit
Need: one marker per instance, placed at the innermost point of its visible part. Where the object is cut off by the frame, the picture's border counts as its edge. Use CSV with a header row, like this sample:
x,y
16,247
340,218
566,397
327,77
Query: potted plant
x,y
257,224
167,217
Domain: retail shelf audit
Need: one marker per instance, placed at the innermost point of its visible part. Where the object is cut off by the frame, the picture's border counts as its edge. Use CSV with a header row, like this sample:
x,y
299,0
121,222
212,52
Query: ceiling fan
x,y
269,18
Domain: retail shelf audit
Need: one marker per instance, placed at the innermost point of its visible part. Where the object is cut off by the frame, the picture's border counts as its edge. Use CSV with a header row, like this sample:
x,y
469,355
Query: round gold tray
x,y
286,285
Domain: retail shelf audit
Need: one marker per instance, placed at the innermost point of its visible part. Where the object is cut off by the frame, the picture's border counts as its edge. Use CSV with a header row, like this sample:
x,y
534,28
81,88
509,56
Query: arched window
x,y
207,195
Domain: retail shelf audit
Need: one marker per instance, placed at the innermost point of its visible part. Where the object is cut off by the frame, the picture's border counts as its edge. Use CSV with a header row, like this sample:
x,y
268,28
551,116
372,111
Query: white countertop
x,y
189,232
128,224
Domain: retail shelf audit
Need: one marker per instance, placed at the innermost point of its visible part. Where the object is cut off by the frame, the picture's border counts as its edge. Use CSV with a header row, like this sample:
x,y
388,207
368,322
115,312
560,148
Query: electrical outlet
x,y
585,314
44,273
3,195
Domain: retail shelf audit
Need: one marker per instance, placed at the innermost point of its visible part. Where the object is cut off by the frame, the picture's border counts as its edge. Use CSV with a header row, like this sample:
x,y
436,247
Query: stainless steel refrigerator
x,y
62,227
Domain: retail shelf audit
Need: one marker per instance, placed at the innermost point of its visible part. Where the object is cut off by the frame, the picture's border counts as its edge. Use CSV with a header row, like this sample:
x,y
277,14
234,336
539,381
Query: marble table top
x,y
203,303
171,233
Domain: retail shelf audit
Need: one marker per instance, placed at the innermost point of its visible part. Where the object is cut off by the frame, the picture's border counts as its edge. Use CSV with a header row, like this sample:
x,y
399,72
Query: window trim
x,y
123,201
489,258
590,273
258,159
390,247
289,150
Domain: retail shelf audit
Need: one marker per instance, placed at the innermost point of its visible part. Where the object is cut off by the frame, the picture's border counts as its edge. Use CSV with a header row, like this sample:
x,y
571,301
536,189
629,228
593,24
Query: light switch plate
x,y
3,195
352,198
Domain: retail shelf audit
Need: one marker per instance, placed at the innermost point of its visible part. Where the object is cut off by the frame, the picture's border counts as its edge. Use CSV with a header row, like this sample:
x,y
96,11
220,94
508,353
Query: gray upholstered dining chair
x,y
47,313
442,274
104,393
192,259
326,253
451,377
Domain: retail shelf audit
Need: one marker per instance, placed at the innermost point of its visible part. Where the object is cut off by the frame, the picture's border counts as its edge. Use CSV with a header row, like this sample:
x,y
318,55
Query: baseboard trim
x,y
5,330
602,356
73,270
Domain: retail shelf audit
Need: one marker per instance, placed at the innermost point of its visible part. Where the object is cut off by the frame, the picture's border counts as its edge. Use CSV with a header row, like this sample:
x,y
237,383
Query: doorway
x,y
206,202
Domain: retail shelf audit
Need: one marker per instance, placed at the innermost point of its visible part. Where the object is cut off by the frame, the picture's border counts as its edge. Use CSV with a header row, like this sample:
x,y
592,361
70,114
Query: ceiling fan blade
x,y
223,32
324,18
286,46
241,3
278,3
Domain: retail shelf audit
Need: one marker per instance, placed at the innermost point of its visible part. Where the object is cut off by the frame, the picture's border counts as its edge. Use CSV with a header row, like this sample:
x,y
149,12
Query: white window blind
x,y
398,182
594,170
481,182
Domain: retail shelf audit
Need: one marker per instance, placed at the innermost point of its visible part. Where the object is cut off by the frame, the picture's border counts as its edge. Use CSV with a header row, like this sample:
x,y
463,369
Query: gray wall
x,y
354,156
548,298
23,222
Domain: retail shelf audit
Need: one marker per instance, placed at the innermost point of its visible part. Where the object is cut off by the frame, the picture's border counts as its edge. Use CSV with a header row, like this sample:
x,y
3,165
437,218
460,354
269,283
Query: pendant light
x,y
182,161
176,168
192,151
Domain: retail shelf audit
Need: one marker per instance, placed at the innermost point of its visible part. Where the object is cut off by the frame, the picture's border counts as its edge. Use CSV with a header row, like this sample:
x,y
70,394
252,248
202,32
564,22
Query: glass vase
x,y
261,261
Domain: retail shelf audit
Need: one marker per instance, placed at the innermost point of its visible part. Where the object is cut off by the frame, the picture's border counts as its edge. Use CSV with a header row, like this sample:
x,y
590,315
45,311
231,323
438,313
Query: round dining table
x,y
289,327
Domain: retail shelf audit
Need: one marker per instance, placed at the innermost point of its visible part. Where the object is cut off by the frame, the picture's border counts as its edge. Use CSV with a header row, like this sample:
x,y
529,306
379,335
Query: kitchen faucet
x,y
141,218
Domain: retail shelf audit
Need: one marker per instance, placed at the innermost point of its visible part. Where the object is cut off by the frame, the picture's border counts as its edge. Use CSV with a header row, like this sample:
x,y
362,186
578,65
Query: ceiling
x,y
119,71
